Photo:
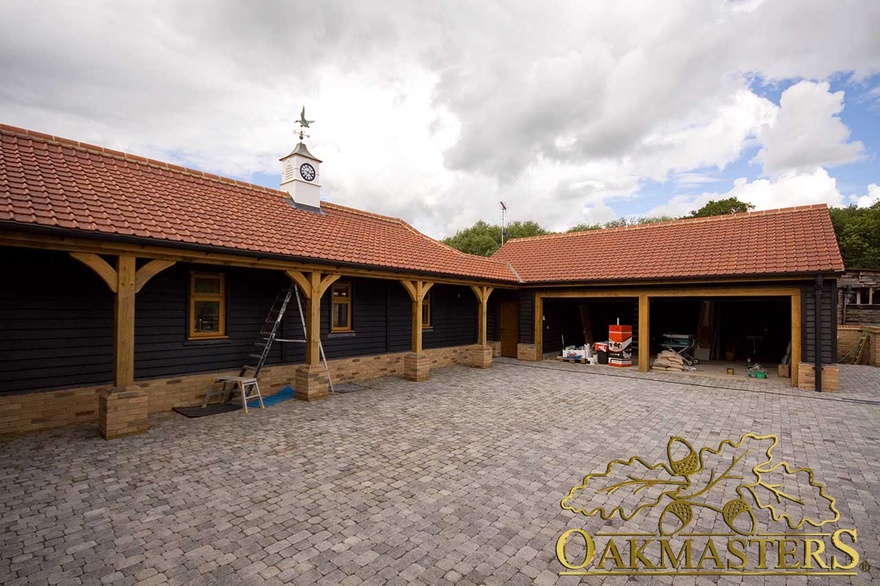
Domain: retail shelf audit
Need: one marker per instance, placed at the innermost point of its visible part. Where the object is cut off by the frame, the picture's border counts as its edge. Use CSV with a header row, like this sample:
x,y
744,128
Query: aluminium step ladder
x,y
246,381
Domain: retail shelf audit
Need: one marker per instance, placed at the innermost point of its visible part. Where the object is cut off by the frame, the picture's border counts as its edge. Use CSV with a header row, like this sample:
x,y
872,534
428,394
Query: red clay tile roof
x,y
774,242
55,182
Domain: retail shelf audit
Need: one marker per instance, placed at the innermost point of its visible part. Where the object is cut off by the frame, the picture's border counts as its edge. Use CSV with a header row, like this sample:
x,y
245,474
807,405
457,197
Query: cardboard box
x,y
784,370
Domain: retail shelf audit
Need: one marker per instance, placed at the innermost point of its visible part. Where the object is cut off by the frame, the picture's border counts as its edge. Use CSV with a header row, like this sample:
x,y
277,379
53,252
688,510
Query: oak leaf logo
x,y
735,480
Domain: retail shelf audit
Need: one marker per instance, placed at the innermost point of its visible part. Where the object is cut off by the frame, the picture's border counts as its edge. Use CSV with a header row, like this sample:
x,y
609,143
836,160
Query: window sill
x,y
348,334
207,340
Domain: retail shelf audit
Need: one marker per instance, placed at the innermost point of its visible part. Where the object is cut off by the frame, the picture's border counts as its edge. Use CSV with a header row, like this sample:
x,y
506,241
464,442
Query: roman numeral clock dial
x,y
307,171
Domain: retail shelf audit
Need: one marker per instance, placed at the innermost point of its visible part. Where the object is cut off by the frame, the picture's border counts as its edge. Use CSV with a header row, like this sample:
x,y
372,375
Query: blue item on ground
x,y
282,395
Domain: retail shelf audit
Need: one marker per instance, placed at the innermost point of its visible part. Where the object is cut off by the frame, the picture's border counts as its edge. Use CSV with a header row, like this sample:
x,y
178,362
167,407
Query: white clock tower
x,y
301,172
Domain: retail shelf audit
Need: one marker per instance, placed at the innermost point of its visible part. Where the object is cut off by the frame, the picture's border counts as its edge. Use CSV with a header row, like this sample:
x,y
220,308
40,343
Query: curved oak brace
x,y
150,270
417,291
100,266
482,293
301,281
313,286
326,282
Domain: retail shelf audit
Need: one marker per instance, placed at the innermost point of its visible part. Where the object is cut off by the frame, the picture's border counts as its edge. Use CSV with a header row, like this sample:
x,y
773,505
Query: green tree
x,y
620,222
484,239
730,205
858,235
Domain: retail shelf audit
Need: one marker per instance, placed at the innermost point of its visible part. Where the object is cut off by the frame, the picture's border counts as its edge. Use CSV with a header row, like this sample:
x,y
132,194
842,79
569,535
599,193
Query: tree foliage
x,y
721,207
484,239
858,235
619,222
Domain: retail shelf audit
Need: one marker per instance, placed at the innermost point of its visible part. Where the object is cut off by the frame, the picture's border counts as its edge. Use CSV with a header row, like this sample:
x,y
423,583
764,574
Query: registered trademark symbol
x,y
865,567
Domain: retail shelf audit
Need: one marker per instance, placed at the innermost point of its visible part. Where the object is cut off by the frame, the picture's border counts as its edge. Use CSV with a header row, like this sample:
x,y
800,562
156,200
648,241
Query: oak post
x,y
417,291
644,332
482,294
795,358
124,321
539,328
313,319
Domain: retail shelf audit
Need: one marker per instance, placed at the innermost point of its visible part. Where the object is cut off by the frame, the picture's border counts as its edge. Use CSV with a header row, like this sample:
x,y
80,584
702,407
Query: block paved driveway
x,y
456,480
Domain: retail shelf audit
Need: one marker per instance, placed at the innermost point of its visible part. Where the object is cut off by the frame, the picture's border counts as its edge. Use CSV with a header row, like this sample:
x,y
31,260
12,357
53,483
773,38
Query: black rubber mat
x,y
212,409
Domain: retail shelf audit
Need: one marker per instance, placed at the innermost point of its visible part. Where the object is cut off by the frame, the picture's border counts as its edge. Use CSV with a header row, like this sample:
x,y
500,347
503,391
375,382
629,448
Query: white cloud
x,y
789,189
435,111
869,199
807,131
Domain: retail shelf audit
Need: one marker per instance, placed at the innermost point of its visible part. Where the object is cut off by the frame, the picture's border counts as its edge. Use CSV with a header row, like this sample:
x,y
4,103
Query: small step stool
x,y
246,385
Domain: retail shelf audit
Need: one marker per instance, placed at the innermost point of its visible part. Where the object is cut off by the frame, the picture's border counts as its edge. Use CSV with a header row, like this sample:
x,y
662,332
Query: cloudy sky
x,y
435,111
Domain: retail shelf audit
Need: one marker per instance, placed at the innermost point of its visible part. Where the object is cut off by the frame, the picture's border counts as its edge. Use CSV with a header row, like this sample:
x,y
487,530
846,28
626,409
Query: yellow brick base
x,y
40,411
807,377
122,411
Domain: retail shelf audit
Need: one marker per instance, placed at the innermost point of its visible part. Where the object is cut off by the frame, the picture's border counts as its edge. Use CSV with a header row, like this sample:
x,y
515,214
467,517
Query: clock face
x,y
307,171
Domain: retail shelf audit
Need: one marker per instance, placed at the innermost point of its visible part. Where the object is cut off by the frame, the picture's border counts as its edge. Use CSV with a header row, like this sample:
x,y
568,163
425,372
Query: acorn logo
x,y
734,488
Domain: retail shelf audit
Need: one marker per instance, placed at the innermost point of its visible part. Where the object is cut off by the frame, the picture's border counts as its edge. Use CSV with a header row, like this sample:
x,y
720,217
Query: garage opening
x,y
727,329
577,321
726,334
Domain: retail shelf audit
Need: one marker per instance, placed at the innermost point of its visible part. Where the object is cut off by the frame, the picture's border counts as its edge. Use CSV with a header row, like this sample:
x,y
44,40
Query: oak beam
x,y
123,322
104,247
150,270
99,266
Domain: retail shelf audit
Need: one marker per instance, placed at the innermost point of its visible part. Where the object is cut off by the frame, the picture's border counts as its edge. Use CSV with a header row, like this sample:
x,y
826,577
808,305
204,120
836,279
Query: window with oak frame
x,y
207,306
340,307
426,311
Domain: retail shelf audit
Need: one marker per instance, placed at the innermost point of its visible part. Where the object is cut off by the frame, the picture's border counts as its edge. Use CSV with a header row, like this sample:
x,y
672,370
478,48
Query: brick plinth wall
x,y
526,352
496,349
807,377
122,411
481,356
39,411
416,367
310,382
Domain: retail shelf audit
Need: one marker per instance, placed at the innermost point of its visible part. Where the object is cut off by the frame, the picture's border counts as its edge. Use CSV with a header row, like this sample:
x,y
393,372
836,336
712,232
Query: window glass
x,y
207,316
207,306
426,311
340,310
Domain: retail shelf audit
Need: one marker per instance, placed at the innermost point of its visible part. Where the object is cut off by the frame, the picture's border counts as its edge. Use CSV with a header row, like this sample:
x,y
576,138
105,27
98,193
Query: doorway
x,y
509,328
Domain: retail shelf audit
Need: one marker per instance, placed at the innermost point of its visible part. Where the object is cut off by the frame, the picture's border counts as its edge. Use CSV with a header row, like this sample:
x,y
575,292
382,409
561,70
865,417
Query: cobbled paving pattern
x,y
454,480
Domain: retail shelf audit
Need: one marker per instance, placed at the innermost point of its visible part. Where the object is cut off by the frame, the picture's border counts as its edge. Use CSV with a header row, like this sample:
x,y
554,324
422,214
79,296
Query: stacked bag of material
x,y
670,361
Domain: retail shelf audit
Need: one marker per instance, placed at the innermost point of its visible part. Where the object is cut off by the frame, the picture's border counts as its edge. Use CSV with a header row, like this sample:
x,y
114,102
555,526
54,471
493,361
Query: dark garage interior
x,y
572,319
727,329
